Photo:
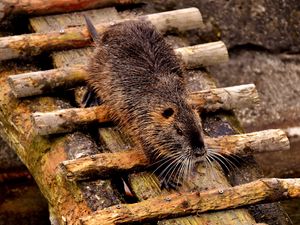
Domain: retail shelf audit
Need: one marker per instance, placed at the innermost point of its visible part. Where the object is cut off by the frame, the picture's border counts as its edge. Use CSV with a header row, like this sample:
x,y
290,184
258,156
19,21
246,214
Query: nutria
x,y
137,75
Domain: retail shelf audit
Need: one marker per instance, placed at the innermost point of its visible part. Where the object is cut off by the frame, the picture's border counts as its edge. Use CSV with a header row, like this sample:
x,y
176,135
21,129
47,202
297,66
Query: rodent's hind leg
x,y
90,99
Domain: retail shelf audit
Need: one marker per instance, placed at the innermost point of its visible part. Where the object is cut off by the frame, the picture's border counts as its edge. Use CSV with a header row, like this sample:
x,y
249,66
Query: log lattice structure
x,y
73,202
67,120
106,164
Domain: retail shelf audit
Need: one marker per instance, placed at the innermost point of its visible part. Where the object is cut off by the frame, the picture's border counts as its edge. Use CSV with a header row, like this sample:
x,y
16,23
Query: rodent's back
x,y
138,76
134,65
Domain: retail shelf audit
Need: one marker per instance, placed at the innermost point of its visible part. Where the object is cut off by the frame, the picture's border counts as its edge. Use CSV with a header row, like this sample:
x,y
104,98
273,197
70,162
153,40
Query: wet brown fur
x,y
139,78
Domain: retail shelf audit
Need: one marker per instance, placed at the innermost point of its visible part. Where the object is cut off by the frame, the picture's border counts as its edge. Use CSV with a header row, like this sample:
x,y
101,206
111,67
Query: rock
x,y
277,78
271,24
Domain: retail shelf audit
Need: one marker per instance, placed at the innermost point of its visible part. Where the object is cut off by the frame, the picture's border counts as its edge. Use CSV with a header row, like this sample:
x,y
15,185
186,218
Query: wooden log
x,y
33,44
41,7
13,176
67,120
179,204
106,164
204,54
42,82
103,165
228,98
40,155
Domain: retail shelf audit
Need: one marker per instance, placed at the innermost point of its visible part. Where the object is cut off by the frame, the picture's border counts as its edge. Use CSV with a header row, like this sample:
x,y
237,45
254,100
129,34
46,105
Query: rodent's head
x,y
176,137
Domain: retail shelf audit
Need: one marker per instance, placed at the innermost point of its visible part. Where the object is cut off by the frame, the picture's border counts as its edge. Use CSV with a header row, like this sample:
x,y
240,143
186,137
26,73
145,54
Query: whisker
x,y
169,167
211,167
230,163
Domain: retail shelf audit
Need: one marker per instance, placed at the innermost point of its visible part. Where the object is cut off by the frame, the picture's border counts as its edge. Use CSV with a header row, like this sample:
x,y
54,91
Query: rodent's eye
x,y
179,131
167,113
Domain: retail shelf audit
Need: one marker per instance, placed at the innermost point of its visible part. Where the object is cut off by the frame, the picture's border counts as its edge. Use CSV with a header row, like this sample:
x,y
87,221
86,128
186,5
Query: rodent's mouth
x,y
198,160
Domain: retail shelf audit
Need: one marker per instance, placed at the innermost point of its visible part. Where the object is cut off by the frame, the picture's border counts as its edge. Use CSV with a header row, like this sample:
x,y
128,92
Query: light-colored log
x,y
236,97
204,54
105,164
179,204
41,7
67,120
42,82
33,44
250,143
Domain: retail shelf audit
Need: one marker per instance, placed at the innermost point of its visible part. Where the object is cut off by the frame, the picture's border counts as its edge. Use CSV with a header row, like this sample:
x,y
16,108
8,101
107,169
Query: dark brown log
x,y
33,44
179,204
105,164
13,176
42,82
67,120
41,7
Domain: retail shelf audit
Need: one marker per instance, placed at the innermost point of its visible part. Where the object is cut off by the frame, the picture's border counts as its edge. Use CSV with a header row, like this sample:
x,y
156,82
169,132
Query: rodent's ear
x,y
91,28
167,113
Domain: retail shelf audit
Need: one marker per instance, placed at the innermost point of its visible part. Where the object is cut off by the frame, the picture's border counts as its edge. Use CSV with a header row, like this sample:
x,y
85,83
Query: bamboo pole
x,y
41,7
33,44
179,204
67,120
105,164
42,82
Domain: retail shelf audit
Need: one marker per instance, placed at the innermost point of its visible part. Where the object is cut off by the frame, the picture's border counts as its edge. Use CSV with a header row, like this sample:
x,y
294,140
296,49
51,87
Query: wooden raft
x,y
70,201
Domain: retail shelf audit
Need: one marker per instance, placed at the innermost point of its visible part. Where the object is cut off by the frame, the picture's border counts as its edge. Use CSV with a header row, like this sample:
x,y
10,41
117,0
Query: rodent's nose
x,y
199,152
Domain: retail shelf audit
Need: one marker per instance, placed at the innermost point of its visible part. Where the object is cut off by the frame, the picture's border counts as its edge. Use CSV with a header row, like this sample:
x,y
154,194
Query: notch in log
x,y
180,204
66,120
42,82
104,165
33,44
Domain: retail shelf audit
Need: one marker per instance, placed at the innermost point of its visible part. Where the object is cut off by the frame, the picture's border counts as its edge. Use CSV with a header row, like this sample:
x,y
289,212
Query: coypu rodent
x,y
138,76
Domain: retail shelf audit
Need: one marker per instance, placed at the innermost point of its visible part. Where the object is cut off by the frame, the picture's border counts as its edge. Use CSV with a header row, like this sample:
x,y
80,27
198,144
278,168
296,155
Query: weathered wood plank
x,y
40,155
